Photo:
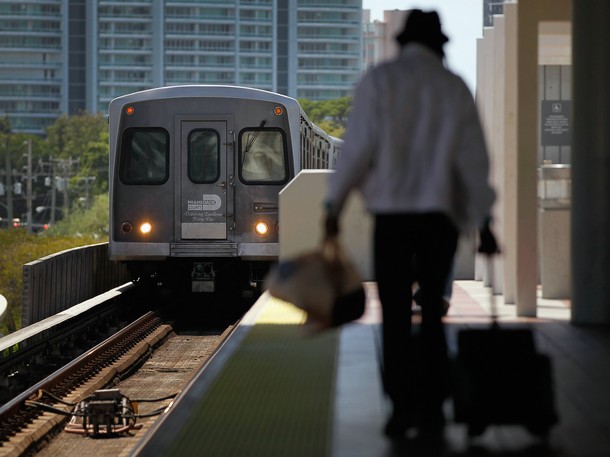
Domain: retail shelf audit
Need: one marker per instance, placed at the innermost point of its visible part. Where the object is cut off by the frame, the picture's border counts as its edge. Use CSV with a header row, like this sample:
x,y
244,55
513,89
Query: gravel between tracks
x,y
166,372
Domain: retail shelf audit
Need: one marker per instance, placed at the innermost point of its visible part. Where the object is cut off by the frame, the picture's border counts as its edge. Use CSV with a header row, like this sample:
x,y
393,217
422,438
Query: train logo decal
x,y
209,202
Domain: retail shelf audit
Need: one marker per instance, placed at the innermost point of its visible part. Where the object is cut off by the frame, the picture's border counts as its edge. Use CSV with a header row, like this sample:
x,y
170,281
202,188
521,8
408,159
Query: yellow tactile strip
x,y
273,397
280,312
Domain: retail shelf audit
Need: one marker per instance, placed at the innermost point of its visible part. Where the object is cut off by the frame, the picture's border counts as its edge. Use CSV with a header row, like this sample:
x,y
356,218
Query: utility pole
x,y
64,169
29,188
9,183
53,192
88,180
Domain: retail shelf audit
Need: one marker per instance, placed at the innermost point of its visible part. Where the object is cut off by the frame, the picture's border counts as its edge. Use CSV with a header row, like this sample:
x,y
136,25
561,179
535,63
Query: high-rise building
x,y
329,48
491,7
33,63
379,36
65,56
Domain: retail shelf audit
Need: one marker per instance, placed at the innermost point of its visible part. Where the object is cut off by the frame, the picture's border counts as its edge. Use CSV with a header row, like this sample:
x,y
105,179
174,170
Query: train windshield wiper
x,y
254,137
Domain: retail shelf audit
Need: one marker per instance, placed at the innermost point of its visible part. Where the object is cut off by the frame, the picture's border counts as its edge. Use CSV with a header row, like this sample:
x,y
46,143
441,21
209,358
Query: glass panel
x,y
144,157
262,156
204,156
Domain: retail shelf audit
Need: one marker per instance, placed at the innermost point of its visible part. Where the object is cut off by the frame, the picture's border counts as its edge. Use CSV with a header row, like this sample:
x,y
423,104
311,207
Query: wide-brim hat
x,y
424,27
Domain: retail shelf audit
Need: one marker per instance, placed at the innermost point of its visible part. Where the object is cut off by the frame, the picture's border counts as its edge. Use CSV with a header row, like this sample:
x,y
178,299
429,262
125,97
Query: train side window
x,y
203,156
144,156
262,156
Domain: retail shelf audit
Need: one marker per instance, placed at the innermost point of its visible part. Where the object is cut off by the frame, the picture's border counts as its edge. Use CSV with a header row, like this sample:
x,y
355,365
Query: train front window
x,y
144,156
262,156
203,156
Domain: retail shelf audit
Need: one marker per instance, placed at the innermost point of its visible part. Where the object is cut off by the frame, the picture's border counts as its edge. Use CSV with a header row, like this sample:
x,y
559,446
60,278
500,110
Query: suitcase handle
x,y
492,299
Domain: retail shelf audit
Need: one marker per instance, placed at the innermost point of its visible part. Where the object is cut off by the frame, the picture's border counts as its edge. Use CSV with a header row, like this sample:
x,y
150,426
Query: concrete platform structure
x,y
537,52
276,391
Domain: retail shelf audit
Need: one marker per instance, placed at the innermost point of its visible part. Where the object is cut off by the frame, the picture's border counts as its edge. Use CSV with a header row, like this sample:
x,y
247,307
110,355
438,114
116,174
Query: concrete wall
x,y
301,225
57,282
301,220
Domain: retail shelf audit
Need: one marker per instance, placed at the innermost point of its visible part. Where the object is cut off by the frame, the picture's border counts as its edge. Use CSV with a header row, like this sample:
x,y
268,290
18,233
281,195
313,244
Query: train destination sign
x,y
555,125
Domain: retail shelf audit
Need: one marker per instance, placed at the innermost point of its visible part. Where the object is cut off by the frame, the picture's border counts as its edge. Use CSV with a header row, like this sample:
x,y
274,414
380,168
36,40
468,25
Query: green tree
x,y
69,134
332,128
313,109
17,248
337,110
82,138
330,115
5,125
92,176
13,168
91,223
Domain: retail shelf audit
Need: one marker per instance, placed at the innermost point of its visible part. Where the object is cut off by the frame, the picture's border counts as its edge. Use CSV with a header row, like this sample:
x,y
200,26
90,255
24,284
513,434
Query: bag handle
x,y
492,299
333,252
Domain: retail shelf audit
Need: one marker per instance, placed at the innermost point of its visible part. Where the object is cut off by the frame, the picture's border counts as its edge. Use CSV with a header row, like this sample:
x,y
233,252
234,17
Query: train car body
x,y
195,173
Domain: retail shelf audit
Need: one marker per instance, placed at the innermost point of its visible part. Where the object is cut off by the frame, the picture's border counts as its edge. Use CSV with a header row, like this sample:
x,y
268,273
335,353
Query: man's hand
x,y
331,226
488,244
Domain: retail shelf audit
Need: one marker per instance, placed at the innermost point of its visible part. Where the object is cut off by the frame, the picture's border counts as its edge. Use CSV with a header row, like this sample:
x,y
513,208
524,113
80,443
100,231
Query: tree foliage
x,y
82,138
330,115
15,146
17,248
5,125
91,223
69,135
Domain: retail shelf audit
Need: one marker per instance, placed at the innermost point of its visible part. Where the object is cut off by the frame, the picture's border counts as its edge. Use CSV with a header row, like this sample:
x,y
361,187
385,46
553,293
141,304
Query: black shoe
x,y
433,425
431,435
398,424
417,297
417,300
446,306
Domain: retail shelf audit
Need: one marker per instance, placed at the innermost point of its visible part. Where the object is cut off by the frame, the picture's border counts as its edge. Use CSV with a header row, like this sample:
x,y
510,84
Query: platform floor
x,y
276,392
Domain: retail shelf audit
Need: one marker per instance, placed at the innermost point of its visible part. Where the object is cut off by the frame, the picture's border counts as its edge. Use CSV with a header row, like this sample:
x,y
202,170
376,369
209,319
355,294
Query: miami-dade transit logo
x,y
208,202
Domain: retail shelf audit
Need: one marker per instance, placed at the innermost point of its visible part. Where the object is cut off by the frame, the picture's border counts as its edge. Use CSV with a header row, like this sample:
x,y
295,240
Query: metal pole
x,y
29,188
53,192
9,184
64,168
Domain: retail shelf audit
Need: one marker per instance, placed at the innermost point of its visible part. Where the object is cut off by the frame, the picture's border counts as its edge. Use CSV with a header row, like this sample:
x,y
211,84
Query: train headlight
x,y
126,227
145,228
261,228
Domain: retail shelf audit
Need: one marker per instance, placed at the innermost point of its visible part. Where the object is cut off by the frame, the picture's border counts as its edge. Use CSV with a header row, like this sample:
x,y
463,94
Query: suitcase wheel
x,y
539,430
475,430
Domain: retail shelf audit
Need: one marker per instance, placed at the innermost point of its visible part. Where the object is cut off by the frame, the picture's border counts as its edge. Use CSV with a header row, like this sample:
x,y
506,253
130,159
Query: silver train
x,y
195,173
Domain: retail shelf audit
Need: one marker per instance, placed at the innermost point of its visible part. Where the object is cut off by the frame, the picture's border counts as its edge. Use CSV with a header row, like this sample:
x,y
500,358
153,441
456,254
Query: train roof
x,y
204,90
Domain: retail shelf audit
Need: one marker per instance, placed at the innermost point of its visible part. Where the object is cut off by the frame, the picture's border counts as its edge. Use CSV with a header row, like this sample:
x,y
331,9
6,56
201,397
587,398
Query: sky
x,y
462,22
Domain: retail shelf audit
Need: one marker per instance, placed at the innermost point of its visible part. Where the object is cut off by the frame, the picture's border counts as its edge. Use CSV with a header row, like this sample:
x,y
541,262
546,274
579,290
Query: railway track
x,y
115,389
32,353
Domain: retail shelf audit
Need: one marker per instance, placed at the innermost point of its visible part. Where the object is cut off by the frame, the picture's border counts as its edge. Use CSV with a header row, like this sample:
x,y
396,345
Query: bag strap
x,y
492,299
332,252
378,338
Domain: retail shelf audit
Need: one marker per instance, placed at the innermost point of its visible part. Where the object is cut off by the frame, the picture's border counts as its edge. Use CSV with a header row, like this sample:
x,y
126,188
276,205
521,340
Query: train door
x,y
206,181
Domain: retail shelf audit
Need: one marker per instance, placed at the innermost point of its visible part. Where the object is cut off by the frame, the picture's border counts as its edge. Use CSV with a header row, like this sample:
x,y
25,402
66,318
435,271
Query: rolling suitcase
x,y
500,378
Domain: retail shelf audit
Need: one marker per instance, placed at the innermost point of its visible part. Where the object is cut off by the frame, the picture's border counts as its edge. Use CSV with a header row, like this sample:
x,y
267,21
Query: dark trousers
x,y
402,243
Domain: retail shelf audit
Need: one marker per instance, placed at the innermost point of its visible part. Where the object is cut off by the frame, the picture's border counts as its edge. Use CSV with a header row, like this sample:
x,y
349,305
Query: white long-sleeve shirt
x,y
414,143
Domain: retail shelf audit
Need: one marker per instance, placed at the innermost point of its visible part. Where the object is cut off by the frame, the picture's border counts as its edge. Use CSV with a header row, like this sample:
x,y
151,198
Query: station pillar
x,y
591,162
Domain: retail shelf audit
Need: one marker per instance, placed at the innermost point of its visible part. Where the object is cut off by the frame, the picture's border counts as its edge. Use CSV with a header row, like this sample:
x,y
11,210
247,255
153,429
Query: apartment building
x,y
379,36
34,77
66,56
